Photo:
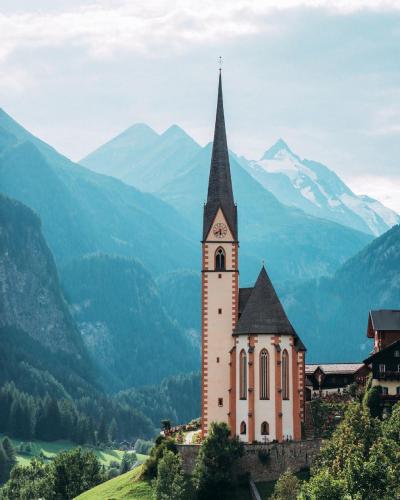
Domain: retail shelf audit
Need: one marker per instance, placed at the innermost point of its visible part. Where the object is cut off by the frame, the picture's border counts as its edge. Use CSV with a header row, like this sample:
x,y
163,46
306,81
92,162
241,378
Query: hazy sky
x,y
323,75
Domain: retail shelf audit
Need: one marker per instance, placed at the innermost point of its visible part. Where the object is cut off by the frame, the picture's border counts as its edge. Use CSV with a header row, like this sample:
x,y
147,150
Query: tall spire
x,y
220,194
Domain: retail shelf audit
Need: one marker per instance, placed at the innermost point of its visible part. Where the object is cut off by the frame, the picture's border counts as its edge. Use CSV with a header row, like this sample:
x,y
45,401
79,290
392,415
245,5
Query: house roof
x,y
263,311
383,351
330,368
385,319
220,194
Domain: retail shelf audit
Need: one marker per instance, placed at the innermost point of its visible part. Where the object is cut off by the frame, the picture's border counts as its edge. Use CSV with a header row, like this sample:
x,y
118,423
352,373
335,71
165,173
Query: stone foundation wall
x,y
264,462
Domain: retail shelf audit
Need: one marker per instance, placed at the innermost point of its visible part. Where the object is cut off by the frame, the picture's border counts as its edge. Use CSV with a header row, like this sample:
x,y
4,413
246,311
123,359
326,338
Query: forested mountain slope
x,y
294,245
36,327
118,309
83,212
331,314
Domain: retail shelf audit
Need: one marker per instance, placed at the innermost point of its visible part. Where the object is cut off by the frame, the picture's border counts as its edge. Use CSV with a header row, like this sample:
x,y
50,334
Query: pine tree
x,y
170,481
113,430
102,435
212,475
10,452
4,465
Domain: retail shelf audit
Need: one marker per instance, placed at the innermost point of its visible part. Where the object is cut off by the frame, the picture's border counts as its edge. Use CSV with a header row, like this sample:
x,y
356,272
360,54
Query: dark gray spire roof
x,y
263,312
220,194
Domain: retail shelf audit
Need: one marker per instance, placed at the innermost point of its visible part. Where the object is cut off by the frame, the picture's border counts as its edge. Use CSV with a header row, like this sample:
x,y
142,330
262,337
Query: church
x,y
253,362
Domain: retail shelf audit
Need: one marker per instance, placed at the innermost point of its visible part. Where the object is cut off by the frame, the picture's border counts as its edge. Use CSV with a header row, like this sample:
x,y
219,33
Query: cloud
x,y
102,28
381,188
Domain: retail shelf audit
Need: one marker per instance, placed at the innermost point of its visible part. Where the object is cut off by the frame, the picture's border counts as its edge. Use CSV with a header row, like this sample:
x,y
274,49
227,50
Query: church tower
x,y
253,361
220,292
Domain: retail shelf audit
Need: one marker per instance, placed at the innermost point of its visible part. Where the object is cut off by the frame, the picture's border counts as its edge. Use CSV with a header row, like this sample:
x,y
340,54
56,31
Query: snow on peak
x,y
279,146
316,189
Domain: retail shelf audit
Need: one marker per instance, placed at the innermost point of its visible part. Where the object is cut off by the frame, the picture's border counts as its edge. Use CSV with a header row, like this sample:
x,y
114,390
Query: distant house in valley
x,y
384,362
334,376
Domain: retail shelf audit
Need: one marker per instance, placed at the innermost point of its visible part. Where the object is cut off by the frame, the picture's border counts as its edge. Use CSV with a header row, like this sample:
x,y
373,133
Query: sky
x,y
323,75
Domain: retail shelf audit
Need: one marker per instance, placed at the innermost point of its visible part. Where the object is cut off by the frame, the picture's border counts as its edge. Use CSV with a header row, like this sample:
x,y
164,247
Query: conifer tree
x,y
212,475
170,481
10,452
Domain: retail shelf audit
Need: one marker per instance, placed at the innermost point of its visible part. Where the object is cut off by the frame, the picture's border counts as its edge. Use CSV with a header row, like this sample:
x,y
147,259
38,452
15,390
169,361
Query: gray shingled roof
x,y
385,319
264,312
329,368
244,294
220,194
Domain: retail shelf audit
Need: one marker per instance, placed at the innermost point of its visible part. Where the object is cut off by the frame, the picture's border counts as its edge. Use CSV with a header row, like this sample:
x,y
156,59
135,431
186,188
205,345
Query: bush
x,y
143,447
162,445
287,487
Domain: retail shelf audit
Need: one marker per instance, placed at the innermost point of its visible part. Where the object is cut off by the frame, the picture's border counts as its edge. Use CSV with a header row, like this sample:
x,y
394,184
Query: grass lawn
x,y
122,487
50,450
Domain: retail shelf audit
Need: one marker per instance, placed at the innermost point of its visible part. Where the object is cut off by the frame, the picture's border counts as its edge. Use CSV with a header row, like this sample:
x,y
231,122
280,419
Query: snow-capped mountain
x,y
317,190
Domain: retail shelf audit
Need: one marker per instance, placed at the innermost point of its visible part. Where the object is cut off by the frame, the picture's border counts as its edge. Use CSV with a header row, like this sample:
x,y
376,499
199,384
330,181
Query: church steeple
x,y
220,194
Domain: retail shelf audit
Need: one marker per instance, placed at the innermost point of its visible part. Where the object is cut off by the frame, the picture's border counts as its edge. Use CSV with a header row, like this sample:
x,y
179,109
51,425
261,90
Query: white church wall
x,y
265,409
241,404
287,405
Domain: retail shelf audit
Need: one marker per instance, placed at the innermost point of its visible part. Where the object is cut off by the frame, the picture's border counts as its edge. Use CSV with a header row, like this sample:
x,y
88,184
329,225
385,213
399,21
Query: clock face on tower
x,y
219,230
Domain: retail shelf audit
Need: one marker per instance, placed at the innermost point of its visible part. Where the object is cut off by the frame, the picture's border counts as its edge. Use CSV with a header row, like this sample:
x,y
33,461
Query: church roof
x,y
220,194
263,311
244,295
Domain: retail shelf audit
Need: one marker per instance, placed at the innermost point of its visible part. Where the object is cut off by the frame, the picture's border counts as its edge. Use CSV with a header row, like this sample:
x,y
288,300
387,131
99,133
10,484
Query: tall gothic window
x,y
285,375
220,259
264,374
264,429
243,374
243,428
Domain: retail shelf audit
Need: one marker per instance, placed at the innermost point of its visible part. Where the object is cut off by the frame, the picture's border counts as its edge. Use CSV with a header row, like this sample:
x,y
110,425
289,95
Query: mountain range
x,y
153,162
331,313
294,244
120,251
317,190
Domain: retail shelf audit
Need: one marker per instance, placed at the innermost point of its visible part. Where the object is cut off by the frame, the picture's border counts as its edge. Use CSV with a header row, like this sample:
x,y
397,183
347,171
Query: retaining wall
x,y
264,462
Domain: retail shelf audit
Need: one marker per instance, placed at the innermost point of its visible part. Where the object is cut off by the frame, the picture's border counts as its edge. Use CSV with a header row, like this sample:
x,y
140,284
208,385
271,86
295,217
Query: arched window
x,y
243,374
285,375
265,429
243,427
220,259
264,374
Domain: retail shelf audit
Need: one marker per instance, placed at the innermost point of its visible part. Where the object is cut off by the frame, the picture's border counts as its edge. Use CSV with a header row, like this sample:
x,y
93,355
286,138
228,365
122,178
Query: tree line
x,y
83,421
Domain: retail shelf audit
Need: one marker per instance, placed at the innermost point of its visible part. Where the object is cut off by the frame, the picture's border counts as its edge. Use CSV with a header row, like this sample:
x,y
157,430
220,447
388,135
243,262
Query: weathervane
x,y
220,63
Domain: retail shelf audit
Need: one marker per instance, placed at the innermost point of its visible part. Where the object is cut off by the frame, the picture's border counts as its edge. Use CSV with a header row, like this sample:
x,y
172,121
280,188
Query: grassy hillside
x,y
122,487
50,449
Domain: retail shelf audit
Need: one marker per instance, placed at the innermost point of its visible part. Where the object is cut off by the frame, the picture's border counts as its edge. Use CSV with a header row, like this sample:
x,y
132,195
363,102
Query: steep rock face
x,y
317,190
116,305
331,313
30,297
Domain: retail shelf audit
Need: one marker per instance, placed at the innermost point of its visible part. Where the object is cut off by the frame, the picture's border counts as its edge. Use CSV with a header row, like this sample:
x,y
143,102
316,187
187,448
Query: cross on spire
x,y
220,63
